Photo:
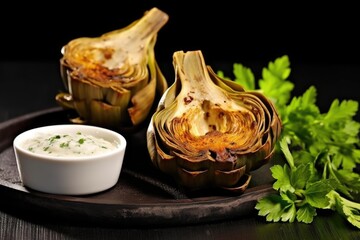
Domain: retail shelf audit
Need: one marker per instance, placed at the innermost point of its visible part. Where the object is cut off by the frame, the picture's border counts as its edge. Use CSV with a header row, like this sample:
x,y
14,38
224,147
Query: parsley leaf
x,y
244,76
306,213
275,208
282,176
349,209
274,82
315,192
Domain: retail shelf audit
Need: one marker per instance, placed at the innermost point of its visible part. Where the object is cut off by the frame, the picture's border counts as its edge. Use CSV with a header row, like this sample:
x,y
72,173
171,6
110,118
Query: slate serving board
x,y
143,196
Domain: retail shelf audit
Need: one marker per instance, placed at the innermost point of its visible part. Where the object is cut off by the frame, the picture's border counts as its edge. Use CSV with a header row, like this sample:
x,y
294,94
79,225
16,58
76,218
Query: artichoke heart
x,y
208,132
113,80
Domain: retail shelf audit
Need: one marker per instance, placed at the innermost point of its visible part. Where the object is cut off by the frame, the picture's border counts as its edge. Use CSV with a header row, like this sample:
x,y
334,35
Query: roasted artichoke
x,y
113,80
208,132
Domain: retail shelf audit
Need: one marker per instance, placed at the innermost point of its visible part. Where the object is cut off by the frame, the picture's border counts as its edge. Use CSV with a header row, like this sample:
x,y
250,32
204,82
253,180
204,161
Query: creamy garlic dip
x,y
70,144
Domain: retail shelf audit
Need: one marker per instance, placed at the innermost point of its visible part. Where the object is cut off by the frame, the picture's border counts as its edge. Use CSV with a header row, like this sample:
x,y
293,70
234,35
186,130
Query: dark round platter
x,y
143,196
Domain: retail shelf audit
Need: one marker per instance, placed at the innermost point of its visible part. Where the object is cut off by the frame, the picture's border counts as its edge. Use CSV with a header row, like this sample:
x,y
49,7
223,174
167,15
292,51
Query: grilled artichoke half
x,y
208,132
112,80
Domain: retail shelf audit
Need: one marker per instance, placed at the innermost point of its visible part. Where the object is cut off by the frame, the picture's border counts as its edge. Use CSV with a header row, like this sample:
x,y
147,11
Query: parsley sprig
x,y
320,150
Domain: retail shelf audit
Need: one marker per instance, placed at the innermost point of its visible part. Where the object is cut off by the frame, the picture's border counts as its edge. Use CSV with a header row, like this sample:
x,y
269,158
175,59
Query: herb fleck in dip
x,y
71,144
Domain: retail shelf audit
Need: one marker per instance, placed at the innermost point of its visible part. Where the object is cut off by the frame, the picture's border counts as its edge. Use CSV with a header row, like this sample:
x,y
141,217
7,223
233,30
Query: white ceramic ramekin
x,y
70,175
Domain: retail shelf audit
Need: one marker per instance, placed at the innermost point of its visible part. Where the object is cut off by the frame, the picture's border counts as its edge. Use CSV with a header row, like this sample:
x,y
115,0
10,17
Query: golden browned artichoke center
x,y
105,65
214,129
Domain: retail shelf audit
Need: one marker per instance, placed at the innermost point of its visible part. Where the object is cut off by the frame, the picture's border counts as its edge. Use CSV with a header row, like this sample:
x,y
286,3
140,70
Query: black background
x,y
226,31
322,41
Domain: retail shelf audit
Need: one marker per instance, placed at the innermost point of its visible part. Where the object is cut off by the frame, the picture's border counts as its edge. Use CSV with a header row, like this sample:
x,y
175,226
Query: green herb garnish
x,y
320,150
52,139
64,144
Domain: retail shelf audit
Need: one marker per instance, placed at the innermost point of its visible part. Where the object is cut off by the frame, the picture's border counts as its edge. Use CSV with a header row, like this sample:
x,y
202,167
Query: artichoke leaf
x,y
208,132
142,100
